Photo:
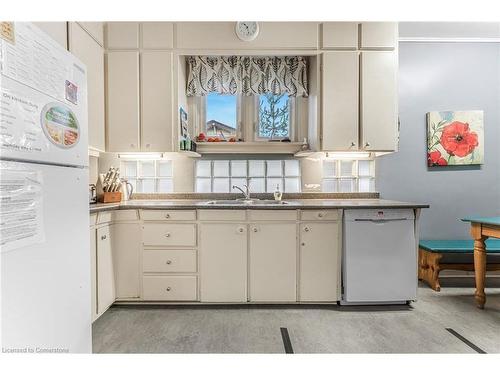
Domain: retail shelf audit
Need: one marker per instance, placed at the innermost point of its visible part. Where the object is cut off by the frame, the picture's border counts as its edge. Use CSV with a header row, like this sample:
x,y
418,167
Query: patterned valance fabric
x,y
247,75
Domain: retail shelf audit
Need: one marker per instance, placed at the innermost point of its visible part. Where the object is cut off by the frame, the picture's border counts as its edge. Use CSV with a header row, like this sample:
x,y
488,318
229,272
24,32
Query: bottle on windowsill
x,y
277,193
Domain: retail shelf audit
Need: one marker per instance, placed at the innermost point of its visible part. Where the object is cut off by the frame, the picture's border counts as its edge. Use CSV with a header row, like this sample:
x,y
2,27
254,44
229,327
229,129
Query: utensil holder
x,y
111,197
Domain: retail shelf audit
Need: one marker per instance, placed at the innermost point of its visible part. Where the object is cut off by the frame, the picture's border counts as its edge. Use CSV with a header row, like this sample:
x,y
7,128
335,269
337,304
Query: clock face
x,y
247,31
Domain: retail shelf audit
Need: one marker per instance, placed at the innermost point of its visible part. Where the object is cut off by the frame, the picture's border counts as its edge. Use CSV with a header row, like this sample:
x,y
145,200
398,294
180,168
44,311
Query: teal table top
x,y
493,220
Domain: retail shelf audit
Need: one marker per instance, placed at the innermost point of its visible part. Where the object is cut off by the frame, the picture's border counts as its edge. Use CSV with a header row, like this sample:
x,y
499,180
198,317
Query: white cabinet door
x,y
379,35
83,46
123,101
122,35
340,110
93,272
273,249
319,262
223,262
157,35
340,35
127,247
379,92
156,101
105,270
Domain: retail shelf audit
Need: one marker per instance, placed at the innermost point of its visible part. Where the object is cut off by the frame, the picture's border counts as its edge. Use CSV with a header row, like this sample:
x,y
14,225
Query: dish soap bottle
x,y
277,193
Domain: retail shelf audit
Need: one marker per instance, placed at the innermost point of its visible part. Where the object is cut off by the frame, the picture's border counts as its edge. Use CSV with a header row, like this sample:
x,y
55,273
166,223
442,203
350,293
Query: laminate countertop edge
x,y
294,204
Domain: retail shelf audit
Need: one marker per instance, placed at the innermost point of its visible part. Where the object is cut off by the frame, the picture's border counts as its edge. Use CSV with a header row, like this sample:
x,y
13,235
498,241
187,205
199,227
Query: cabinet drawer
x,y
272,215
159,234
168,215
169,261
319,215
169,288
124,215
222,215
104,217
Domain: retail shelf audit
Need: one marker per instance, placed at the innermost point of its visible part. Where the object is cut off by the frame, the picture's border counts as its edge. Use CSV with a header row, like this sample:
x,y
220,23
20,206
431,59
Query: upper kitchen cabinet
x,y
379,35
122,35
85,47
156,101
56,30
95,29
379,105
222,36
157,35
123,101
340,108
339,35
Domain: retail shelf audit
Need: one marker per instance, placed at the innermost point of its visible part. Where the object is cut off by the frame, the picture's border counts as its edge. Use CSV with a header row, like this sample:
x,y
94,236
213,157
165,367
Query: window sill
x,y
259,147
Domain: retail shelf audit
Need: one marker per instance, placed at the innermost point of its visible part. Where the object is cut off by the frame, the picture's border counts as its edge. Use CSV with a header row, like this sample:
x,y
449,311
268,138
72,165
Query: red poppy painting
x,y
454,138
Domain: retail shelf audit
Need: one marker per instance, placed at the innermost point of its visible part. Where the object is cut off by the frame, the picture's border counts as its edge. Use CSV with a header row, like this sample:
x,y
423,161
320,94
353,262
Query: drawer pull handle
x,y
103,237
169,289
240,230
167,216
167,235
306,229
255,230
320,214
169,262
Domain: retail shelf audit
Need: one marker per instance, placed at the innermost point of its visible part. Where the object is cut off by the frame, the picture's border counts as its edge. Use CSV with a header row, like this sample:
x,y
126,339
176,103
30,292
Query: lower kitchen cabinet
x,y
223,258
126,249
319,262
105,270
169,288
273,266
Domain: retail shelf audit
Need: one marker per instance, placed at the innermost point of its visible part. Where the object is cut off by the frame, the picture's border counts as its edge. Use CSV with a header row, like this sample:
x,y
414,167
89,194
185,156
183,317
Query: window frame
x,y
292,114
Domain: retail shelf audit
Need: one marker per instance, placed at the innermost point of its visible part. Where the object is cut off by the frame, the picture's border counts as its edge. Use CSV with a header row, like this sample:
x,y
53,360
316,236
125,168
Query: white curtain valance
x,y
247,75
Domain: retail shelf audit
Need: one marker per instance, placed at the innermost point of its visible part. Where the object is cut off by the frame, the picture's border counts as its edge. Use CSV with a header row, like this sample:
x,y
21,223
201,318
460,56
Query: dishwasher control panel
x,y
379,214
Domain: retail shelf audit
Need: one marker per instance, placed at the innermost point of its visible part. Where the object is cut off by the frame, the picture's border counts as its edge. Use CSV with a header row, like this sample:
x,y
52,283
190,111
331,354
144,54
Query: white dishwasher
x,y
379,257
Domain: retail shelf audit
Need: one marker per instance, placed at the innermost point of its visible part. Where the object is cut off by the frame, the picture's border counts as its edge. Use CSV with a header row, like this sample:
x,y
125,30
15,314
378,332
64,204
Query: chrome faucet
x,y
245,192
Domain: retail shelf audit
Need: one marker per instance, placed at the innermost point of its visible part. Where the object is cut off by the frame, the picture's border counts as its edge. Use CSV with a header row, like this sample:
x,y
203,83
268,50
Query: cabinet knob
x,y
167,235
306,229
353,144
255,230
240,230
320,214
103,237
132,145
169,289
367,144
169,262
148,145
303,244
167,216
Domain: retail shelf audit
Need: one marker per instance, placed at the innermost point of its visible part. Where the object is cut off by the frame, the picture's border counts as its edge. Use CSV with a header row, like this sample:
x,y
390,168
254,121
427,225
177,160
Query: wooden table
x,y
481,229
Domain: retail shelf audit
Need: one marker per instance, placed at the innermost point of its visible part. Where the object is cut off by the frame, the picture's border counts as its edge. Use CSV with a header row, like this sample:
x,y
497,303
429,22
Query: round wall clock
x,y
247,31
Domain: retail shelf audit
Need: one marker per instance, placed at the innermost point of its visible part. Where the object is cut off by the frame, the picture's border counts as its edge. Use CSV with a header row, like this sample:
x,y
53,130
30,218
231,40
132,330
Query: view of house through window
x,y
221,115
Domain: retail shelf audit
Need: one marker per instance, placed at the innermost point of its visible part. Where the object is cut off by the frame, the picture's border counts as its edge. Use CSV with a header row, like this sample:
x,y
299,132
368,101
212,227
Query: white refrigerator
x,y
44,213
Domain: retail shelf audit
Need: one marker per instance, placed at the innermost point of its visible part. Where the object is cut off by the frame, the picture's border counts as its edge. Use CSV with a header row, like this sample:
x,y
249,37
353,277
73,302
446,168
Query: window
x,y
346,176
274,116
221,116
218,176
148,176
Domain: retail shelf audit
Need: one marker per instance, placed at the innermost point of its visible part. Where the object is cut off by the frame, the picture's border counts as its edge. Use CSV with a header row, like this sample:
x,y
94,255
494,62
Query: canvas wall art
x,y
455,138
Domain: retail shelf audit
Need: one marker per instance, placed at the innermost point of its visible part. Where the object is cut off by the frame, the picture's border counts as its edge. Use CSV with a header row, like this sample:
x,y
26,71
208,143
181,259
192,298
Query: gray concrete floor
x,y
420,328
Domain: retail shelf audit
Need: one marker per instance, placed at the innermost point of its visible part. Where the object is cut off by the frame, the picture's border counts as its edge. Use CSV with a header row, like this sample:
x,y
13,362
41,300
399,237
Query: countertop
x,y
293,204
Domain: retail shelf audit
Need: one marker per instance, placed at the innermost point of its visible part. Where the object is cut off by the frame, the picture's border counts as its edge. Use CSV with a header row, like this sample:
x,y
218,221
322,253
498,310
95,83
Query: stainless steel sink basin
x,y
247,202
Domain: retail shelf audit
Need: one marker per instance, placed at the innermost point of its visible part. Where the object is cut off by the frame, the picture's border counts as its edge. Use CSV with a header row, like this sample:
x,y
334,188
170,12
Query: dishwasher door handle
x,y
380,221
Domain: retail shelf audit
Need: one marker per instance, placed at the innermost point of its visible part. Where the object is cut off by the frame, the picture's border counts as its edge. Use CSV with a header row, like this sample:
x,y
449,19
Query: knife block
x,y
104,196
112,197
